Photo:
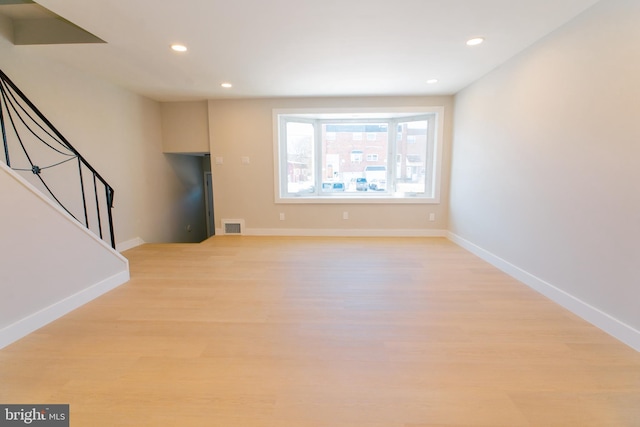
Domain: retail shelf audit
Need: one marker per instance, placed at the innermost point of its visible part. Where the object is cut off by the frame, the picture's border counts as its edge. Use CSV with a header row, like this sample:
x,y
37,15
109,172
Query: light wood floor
x,y
323,332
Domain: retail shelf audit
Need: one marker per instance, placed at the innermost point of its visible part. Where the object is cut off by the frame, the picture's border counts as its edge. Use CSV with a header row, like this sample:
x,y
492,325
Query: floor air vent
x,y
233,226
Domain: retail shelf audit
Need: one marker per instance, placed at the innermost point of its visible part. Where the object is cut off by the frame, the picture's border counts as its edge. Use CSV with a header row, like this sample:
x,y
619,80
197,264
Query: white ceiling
x,y
283,48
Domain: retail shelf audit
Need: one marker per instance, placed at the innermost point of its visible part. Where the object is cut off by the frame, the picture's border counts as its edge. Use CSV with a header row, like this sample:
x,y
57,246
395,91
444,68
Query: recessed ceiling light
x,y
179,47
432,81
226,85
475,41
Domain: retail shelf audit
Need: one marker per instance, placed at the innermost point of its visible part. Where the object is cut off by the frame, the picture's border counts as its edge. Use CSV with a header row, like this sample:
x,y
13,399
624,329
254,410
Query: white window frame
x,y
434,155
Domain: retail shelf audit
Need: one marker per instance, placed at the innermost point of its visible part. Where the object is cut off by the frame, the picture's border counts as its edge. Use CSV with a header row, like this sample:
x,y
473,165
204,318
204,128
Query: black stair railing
x,y
36,149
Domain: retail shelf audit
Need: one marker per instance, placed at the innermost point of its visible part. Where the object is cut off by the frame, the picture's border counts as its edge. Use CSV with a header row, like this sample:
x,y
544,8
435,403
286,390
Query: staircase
x,y
57,250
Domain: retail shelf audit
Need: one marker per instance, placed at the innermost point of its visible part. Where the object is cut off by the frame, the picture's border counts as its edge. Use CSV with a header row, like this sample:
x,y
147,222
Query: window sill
x,y
347,199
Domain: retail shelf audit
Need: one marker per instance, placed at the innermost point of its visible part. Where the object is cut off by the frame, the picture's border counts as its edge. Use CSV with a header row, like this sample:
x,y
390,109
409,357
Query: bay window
x,y
322,157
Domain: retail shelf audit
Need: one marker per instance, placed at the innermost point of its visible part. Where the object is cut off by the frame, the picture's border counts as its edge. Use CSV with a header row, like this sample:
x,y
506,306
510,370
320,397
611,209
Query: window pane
x,y
411,157
343,155
300,158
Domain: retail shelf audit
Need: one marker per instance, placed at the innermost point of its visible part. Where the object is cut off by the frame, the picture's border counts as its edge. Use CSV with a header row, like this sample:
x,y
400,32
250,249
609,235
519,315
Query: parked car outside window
x,y
332,186
361,184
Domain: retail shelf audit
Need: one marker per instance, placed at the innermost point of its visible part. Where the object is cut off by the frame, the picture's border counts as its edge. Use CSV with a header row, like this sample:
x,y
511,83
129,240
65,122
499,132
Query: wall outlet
x,y
219,160
245,160
281,216
432,217
345,215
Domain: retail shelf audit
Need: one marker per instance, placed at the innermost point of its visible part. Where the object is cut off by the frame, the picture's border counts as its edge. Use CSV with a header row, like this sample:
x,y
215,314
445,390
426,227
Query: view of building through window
x,y
347,157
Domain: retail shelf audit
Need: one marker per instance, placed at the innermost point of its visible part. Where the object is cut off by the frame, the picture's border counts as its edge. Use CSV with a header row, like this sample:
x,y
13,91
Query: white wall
x,y
49,263
185,127
120,134
546,166
245,128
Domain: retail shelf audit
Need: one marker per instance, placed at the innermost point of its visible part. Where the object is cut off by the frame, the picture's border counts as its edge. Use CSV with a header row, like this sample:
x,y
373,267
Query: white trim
x,y
341,232
24,327
593,315
129,244
371,199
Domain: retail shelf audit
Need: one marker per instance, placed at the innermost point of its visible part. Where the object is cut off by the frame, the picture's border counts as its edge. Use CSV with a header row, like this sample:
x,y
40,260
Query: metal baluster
x,y
95,191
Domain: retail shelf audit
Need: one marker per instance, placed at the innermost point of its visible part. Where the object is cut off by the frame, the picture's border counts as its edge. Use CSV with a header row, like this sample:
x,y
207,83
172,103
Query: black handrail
x,y
35,138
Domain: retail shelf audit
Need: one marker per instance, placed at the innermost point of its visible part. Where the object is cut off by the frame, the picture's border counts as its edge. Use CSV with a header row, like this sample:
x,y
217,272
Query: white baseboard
x,y
593,315
340,232
47,315
129,244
